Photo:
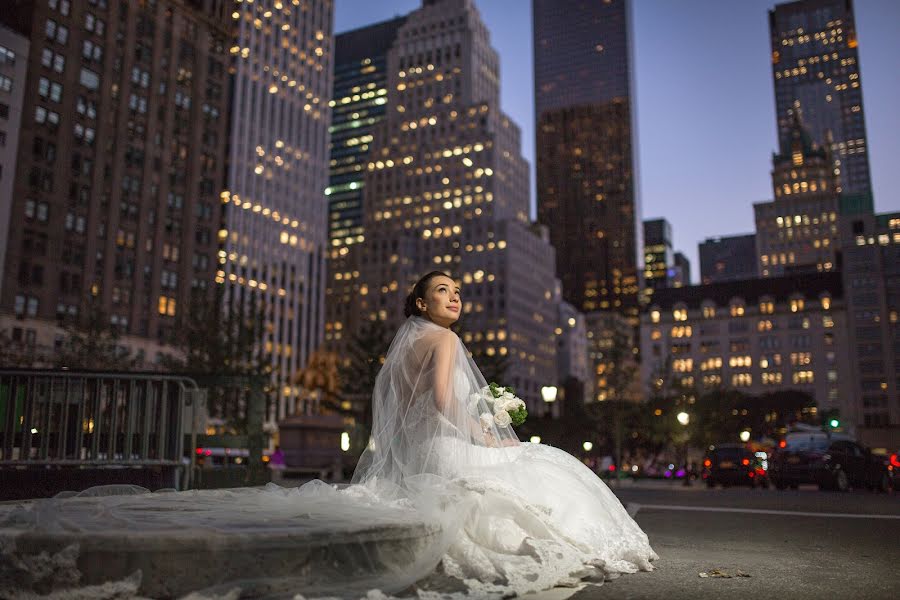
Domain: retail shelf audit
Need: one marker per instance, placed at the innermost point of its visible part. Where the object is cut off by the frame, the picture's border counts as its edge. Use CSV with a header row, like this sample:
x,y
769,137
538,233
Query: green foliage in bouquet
x,y
518,416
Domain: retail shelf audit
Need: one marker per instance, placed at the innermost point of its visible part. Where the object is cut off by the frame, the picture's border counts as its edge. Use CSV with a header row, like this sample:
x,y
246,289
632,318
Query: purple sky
x,y
706,109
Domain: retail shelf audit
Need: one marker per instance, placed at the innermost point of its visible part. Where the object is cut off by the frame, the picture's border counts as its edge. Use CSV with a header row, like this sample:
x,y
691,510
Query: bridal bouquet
x,y
508,409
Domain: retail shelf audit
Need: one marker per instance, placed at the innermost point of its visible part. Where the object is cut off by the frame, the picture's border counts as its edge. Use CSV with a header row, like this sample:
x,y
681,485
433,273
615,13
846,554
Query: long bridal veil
x,y
428,409
444,495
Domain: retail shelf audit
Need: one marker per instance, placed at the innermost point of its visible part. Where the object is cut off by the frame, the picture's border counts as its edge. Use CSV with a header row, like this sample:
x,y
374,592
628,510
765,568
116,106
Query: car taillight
x,y
707,463
745,462
895,461
782,444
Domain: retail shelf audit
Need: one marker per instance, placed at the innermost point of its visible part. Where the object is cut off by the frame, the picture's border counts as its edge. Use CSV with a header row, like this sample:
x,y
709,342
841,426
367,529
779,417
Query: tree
x,y
219,345
94,343
366,352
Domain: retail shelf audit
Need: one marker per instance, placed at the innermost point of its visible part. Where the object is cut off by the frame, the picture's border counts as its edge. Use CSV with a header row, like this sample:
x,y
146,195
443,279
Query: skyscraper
x,y
446,187
815,66
657,253
586,165
799,230
871,274
359,105
121,161
728,258
275,237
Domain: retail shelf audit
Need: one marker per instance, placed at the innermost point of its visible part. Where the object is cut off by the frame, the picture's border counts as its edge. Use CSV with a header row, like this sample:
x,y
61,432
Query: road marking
x,y
634,507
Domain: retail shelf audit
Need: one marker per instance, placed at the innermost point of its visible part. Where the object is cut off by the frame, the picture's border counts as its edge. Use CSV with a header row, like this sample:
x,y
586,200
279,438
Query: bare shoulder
x,y
441,339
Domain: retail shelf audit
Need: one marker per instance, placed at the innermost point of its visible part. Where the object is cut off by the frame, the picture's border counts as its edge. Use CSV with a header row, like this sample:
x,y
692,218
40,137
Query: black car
x,y
835,464
734,464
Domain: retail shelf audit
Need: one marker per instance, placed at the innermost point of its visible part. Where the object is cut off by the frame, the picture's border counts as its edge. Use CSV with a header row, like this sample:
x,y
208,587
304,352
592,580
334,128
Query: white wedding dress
x,y
445,502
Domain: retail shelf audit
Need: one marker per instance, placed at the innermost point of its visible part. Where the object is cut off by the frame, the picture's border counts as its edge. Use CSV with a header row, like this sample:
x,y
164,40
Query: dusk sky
x,y
705,105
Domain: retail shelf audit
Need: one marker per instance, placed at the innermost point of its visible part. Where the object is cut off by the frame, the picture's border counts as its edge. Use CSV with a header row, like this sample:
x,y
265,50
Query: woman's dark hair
x,y
417,292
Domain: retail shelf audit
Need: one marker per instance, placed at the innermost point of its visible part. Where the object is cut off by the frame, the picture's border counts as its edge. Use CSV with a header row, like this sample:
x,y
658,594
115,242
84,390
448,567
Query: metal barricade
x,y
59,418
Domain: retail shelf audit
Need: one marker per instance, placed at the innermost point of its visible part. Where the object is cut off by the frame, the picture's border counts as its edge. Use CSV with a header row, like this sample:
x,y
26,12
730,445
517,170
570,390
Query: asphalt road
x,y
792,544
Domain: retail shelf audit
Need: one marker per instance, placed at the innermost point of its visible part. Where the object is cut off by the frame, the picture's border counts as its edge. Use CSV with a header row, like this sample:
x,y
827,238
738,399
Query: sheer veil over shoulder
x,y
514,517
445,501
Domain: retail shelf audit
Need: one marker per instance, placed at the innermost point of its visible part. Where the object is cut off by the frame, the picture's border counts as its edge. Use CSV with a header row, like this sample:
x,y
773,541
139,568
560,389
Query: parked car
x,y
735,464
830,463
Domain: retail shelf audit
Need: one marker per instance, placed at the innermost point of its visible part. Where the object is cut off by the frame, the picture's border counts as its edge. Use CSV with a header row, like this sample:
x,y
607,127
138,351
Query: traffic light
x,y
831,418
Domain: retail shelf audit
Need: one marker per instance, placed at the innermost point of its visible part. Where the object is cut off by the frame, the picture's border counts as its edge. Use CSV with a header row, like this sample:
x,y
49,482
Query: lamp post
x,y
548,393
685,419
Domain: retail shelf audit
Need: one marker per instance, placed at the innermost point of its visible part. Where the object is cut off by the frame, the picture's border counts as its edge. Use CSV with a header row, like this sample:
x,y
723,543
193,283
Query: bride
x,y
445,502
527,516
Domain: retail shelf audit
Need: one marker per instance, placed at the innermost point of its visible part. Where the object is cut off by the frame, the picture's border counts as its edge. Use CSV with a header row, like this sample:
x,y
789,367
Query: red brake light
x,y
199,450
745,462
895,461
707,463
782,444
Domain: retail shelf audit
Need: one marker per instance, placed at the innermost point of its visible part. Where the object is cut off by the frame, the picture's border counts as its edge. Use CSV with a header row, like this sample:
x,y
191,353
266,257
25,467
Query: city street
x,y
790,544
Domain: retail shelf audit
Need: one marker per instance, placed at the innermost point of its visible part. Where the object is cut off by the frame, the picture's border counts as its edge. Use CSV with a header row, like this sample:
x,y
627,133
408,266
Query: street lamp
x,y
588,446
548,393
745,435
535,439
684,419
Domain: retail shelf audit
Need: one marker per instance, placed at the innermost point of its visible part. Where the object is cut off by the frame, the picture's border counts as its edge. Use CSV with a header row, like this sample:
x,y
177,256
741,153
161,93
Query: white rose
x,y
486,421
502,418
510,404
507,395
486,391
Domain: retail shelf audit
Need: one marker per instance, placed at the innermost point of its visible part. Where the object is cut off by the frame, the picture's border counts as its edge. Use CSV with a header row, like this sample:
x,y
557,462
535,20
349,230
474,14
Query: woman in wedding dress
x,y
445,502
534,516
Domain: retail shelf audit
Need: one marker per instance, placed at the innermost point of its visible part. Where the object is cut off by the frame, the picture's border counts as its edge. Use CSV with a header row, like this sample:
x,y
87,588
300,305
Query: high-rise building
x,y
446,187
730,258
657,253
359,105
13,63
757,337
815,66
276,232
680,272
799,229
121,161
586,164
871,272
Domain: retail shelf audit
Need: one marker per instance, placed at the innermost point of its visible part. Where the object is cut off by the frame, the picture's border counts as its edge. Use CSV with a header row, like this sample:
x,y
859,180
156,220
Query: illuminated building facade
x,y
657,253
586,156
121,161
611,345
359,104
871,271
274,241
446,188
815,67
799,229
778,333
574,371
729,258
